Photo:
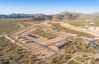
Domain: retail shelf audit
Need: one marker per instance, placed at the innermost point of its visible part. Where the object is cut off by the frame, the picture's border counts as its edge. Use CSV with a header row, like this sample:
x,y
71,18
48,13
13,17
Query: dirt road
x,y
78,29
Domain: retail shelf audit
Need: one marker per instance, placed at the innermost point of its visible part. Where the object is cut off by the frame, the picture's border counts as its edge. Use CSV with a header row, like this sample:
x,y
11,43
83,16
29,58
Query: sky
x,y
48,6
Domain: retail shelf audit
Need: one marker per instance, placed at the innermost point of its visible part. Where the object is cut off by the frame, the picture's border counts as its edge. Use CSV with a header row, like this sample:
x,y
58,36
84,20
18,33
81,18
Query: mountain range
x,y
58,17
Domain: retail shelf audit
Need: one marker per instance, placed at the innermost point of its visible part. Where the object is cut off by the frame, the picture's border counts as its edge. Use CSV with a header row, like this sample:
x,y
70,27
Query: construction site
x,y
48,40
43,46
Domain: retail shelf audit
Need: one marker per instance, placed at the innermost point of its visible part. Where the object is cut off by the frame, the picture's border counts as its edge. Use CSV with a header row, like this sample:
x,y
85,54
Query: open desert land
x,y
51,40
10,24
43,40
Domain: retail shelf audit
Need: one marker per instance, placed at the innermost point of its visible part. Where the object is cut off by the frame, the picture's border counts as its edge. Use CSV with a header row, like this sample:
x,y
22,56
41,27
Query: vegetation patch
x,y
57,26
83,23
78,45
7,27
44,34
71,47
10,25
78,23
73,62
15,54
61,59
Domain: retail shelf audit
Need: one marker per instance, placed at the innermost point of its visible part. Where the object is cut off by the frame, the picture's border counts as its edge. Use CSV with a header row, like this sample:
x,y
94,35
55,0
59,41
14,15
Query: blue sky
x,y
48,6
